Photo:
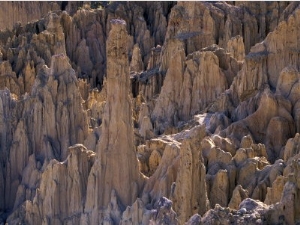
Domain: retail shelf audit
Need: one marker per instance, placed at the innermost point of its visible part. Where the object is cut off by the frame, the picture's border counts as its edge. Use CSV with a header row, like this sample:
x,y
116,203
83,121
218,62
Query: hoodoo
x,y
116,167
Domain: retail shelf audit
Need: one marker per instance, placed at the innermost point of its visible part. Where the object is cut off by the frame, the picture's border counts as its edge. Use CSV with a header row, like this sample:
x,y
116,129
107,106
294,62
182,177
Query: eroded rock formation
x,y
150,113
115,150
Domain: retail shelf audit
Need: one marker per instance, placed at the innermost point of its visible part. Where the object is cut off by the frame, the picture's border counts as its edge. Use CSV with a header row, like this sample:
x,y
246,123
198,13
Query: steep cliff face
x,y
150,113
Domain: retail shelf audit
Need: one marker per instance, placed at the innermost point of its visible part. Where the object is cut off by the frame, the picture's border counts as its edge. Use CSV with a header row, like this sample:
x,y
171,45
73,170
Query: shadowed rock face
x,y
149,113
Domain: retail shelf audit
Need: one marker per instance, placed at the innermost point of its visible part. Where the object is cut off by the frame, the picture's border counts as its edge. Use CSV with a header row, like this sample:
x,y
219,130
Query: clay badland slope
x,y
150,113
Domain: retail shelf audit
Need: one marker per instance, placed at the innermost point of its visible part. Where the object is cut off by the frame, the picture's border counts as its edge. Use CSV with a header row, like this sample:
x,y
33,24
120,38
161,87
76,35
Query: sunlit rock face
x,y
149,113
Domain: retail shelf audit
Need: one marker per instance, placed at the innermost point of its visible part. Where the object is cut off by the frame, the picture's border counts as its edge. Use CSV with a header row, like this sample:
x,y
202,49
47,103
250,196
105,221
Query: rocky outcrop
x,y
166,102
150,113
202,24
184,91
236,47
61,204
116,150
24,12
54,101
189,196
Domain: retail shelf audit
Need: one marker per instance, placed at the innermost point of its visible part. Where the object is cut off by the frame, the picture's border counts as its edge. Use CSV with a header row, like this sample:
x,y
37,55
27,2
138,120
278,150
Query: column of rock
x,y
190,194
116,167
172,62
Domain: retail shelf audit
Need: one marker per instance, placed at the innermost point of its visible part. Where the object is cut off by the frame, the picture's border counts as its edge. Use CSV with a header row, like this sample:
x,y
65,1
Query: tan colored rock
x,y
159,184
296,114
29,77
17,162
225,144
203,24
173,63
146,127
278,132
95,104
288,207
217,155
287,78
194,96
217,122
72,33
59,87
150,155
55,43
246,142
238,195
219,189
24,12
54,199
136,63
190,195
154,160
246,116
52,119
229,65
157,15
116,146
221,171
135,17
291,148
135,214
250,79
271,110
154,59
187,86
247,172
9,79
31,179
257,180
184,24
274,193
240,156
236,47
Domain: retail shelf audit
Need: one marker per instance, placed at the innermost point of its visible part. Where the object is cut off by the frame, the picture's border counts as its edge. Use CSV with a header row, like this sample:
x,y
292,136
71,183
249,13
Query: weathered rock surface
x,y
61,204
116,151
46,124
149,113
190,195
24,12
